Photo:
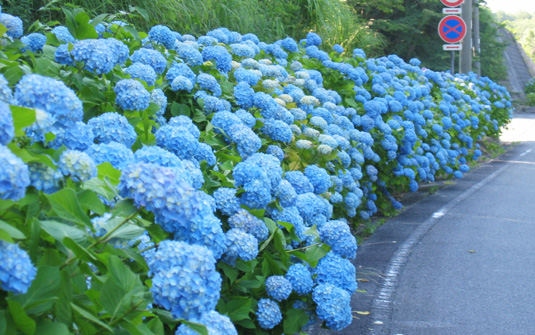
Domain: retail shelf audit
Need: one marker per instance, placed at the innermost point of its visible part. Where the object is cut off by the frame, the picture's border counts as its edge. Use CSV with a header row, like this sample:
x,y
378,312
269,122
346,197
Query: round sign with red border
x,y
452,29
452,3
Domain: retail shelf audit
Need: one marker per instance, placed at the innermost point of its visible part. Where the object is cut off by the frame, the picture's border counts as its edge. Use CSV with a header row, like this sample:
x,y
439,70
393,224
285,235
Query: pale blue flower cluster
x,y
215,324
13,24
226,200
7,129
112,127
333,306
339,237
44,178
185,280
335,270
16,269
34,41
50,95
240,245
268,313
163,35
150,57
99,56
301,279
77,165
14,175
117,154
131,95
142,72
63,34
242,219
278,287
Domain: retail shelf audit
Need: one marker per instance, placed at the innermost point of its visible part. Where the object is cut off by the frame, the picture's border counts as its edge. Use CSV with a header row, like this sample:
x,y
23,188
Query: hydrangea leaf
x,y
22,117
294,320
24,323
43,291
60,230
11,231
65,203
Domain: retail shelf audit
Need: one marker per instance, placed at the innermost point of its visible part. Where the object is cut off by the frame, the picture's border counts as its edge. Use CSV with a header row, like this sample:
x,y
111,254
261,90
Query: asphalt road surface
x,y
460,261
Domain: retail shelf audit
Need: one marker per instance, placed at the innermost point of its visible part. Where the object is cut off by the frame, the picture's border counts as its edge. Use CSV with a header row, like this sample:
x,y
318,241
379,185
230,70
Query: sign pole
x,y
452,63
465,59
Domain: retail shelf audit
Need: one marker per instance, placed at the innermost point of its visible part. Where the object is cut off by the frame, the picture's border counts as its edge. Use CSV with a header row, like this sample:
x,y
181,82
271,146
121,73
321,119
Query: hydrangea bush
x,y
160,183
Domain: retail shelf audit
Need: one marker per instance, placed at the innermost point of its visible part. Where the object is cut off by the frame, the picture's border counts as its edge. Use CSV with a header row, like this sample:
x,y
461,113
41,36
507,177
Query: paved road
x,y
460,261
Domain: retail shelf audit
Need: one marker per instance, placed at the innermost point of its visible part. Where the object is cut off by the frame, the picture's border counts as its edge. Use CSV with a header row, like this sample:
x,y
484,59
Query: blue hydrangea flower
x,y
7,129
333,306
50,95
162,35
215,324
6,94
158,97
204,230
276,151
205,153
248,76
240,245
300,278
338,236
185,280
63,34
224,120
96,54
250,224
313,39
278,287
190,54
208,82
338,48
243,93
117,154
292,216
335,270
247,140
78,136
159,156
163,191
131,95
44,178
277,130
311,208
16,269
13,24
78,165
178,140
247,118
181,69
34,41
285,193
63,56
181,83
268,313
319,178
220,55
226,200
150,57
185,122
14,175
142,72
298,180
113,127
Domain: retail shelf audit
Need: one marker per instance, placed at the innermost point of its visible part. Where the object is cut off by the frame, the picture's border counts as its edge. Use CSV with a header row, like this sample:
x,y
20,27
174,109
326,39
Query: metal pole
x,y
452,62
477,48
465,59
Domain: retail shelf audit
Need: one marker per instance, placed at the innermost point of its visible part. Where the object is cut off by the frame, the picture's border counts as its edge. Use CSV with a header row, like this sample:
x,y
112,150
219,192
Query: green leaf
x,y
22,118
90,201
62,307
314,254
3,30
106,170
80,251
198,327
156,326
24,323
60,230
65,204
47,327
229,271
124,208
11,231
238,308
84,30
28,155
42,293
88,316
294,320
5,237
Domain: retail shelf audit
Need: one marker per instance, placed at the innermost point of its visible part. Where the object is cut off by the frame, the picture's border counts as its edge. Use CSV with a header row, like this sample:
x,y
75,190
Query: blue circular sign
x,y
452,29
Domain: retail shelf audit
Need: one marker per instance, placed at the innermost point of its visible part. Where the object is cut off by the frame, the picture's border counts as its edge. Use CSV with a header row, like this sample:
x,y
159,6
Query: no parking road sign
x,y
452,3
452,29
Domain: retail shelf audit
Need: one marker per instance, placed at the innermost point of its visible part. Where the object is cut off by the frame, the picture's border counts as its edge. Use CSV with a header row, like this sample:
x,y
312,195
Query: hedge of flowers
x,y
159,183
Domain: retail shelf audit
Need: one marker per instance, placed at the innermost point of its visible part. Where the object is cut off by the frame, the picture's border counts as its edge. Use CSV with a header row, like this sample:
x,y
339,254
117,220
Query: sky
x,y
512,6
